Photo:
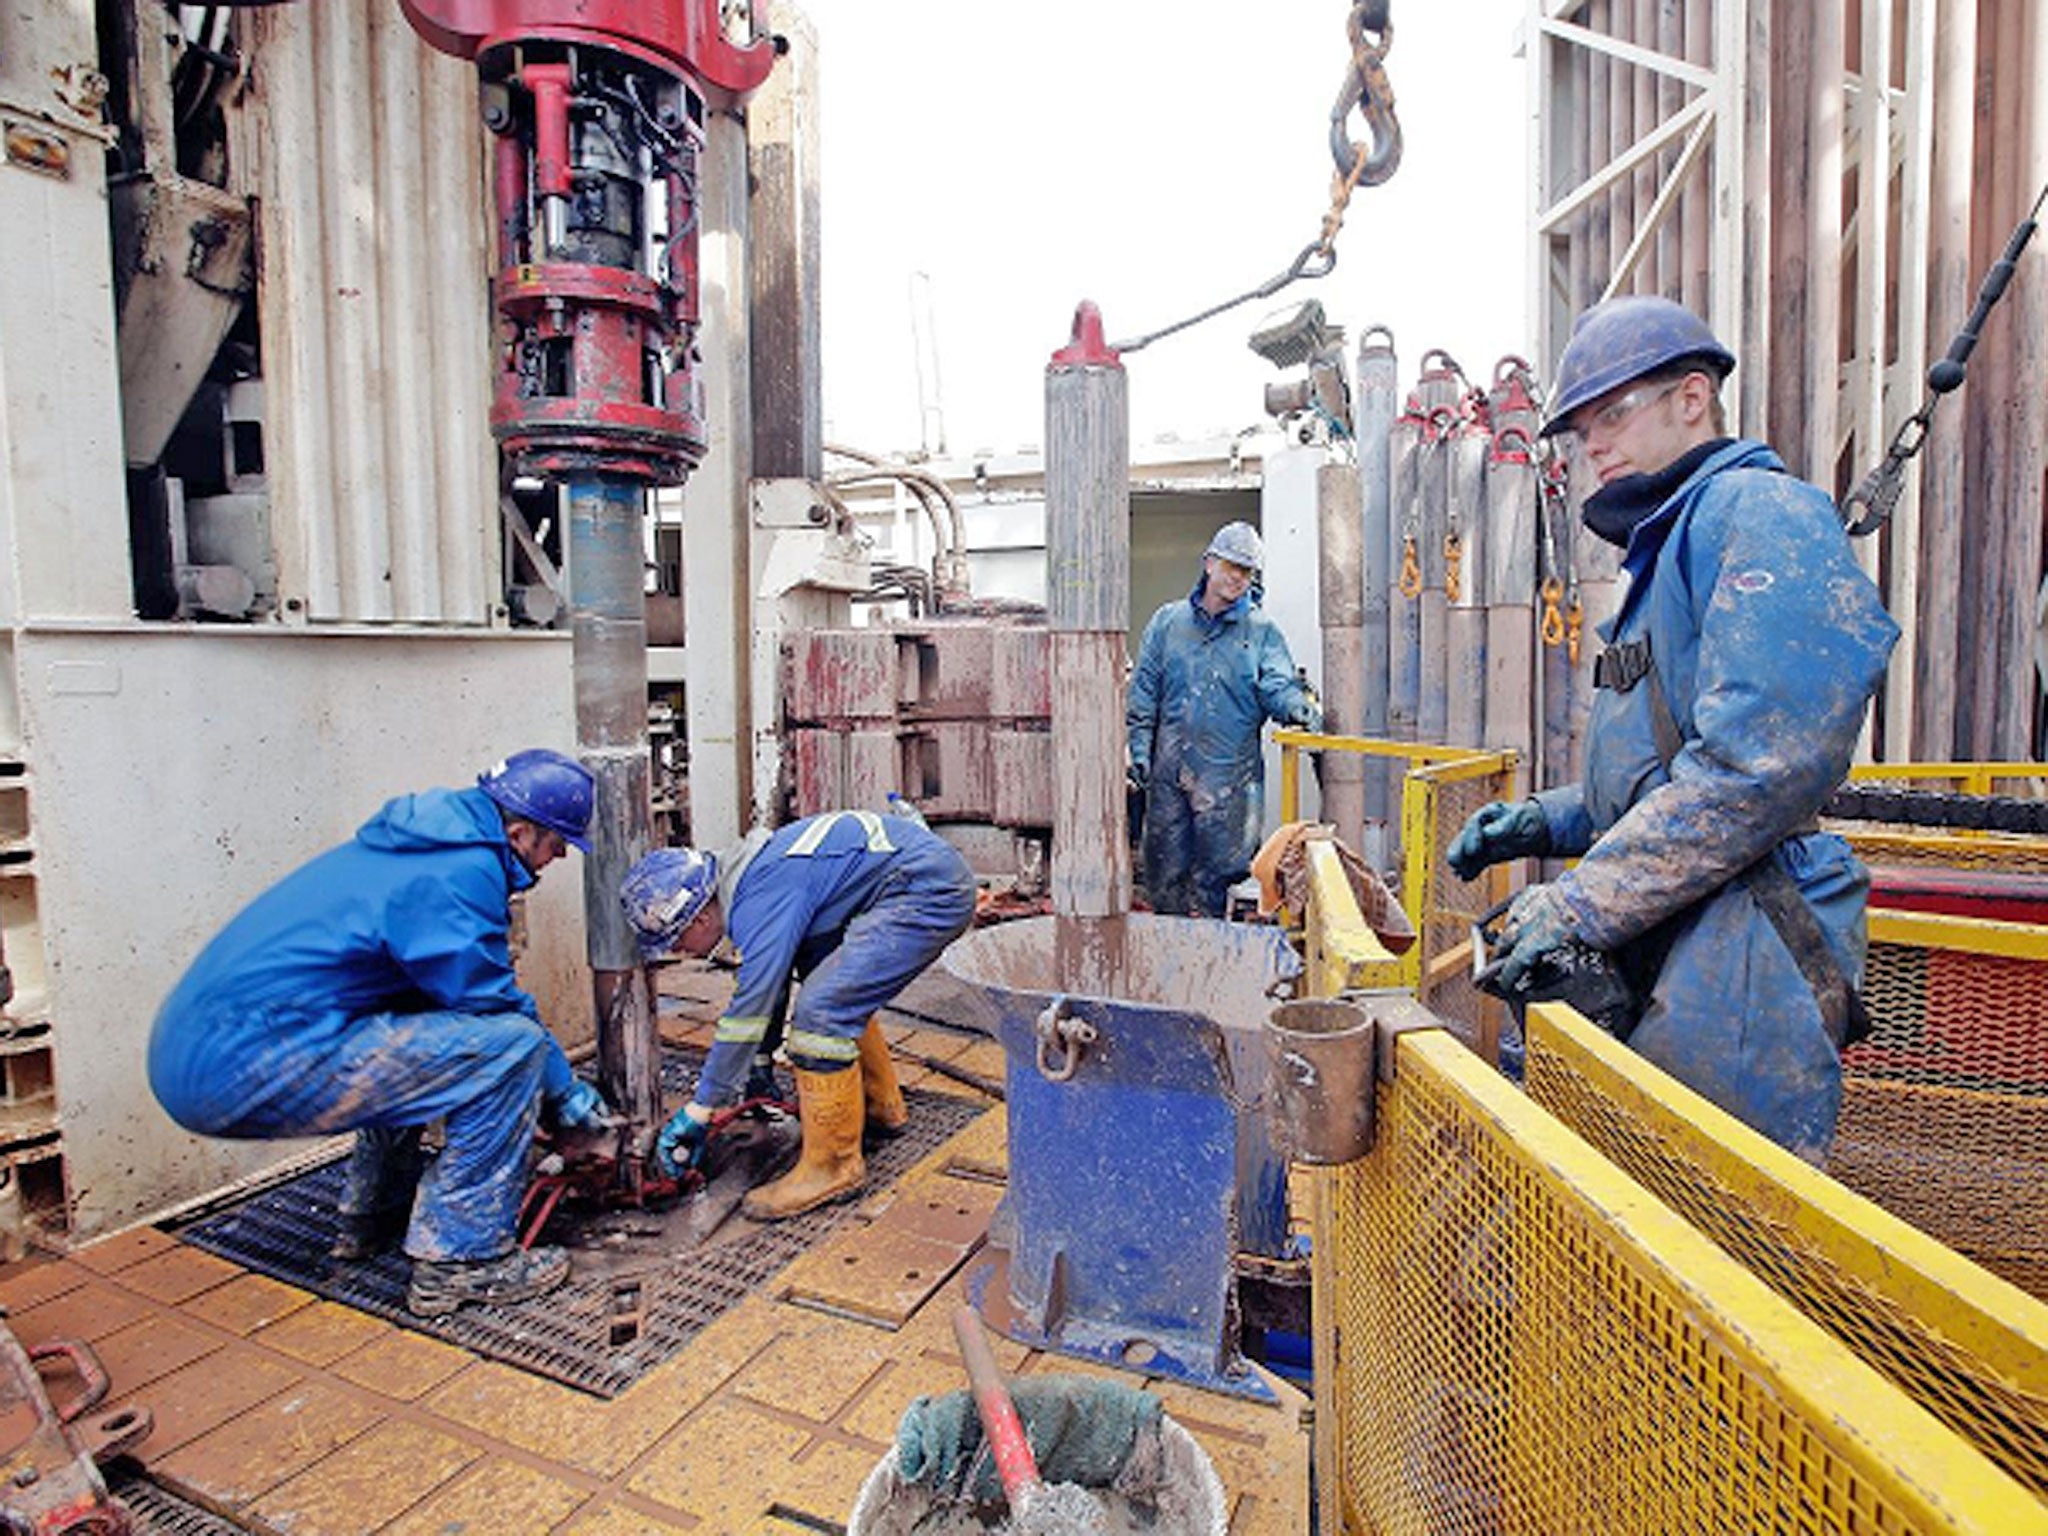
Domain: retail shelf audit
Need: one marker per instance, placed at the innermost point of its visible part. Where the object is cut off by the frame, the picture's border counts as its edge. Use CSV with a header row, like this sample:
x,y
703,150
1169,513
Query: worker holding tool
x,y
1212,670
851,904
1728,703
372,991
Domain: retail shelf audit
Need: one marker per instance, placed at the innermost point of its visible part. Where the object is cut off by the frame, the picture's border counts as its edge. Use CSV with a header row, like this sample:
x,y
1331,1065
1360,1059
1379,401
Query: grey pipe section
x,y
1379,398
1465,634
1340,535
608,618
1088,584
1404,613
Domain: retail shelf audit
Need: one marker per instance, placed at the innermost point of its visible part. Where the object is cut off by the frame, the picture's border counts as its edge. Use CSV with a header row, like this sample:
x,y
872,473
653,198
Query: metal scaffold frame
x,y
1845,169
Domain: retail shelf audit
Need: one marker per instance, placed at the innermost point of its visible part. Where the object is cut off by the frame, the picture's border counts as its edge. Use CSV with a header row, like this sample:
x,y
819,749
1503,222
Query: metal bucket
x,y
1319,1096
1190,1502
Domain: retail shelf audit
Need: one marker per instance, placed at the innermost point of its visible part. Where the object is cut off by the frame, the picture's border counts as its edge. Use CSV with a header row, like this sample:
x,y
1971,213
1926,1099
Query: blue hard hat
x,y
1623,339
545,788
1238,543
663,893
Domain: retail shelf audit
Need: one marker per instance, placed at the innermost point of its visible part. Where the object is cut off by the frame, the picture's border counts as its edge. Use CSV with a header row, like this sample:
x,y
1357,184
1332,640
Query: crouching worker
x,y
851,904
372,991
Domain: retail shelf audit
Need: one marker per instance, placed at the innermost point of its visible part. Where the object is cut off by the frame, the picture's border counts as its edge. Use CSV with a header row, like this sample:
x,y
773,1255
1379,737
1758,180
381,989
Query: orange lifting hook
x,y
1574,622
1553,619
1454,558
1411,569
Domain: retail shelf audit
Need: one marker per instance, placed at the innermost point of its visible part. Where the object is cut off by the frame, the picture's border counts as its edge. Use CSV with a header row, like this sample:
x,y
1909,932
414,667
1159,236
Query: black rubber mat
x,y
609,1323
159,1512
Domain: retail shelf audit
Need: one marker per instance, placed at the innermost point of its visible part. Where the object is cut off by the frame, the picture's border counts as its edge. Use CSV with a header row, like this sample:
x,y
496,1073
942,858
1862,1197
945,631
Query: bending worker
x,y
1212,670
372,991
852,904
1728,703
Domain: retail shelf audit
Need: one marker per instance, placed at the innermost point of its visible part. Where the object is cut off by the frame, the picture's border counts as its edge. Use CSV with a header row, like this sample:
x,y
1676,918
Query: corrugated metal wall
x,y
367,156
1715,151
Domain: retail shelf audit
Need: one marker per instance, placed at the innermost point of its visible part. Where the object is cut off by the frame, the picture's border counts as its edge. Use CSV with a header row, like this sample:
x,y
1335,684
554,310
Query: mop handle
x,y
1015,1464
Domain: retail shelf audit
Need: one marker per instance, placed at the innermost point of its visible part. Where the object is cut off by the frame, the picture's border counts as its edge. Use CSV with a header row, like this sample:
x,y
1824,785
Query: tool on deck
x,y
1040,1509
50,1483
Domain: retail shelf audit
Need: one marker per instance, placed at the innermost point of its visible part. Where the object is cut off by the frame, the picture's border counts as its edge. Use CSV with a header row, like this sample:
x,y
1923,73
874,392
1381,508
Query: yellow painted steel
x,y
1517,1337
1964,935
1973,778
1965,1345
1343,953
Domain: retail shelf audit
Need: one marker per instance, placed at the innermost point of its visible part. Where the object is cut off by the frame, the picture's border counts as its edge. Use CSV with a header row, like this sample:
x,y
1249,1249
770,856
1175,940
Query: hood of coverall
x,y
444,818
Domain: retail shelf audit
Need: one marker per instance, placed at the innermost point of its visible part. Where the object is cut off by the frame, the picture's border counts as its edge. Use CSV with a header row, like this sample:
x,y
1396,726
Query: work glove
x,y
1496,833
1538,925
583,1108
1309,713
1136,777
680,1146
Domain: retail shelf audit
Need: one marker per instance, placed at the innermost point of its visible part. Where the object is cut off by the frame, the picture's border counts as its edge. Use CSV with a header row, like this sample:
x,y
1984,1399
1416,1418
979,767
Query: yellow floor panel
x,y
290,1414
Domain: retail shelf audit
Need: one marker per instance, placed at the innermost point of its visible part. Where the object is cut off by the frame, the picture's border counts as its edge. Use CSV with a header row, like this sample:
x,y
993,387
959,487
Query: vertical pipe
x,y
609,655
1824,146
1695,212
1511,570
1433,489
1670,97
1743,284
1340,531
1378,400
2028,325
1984,462
1621,198
1792,277
1935,724
1404,551
1598,136
2007,702
1643,114
1465,630
1087,586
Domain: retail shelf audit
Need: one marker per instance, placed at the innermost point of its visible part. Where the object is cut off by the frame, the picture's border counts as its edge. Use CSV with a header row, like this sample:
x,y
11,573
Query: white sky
x,y
1156,156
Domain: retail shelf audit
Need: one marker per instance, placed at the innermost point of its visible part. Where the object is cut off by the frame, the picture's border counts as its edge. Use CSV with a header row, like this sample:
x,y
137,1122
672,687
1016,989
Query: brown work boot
x,y
830,1167
887,1114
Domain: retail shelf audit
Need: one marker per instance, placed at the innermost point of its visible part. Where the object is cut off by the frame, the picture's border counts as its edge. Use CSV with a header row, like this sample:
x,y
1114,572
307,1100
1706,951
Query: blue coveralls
x,y
1768,642
853,905
372,991
1201,692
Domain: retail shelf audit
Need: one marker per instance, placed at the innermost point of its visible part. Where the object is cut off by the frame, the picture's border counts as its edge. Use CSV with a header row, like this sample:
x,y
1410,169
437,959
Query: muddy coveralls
x,y
1767,643
1201,692
852,904
372,991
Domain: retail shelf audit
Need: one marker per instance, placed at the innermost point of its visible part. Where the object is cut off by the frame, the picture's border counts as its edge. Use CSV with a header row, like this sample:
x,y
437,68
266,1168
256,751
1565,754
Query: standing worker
x,y
1212,670
372,991
1730,696
851,904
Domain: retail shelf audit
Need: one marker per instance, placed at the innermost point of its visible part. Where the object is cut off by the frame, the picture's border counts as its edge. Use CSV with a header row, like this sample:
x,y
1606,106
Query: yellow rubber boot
x,y
887,1114
830,1167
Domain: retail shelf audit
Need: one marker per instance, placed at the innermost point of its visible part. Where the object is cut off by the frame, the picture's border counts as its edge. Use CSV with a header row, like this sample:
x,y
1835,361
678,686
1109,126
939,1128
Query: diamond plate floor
x,y
595,1331
280,1413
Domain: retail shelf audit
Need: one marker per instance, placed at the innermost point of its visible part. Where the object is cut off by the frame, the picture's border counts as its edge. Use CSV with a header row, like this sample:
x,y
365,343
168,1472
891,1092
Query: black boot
x,y
439,1286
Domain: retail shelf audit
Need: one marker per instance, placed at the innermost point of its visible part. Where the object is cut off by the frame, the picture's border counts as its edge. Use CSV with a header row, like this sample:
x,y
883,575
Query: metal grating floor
x,y
593,1332
158,1512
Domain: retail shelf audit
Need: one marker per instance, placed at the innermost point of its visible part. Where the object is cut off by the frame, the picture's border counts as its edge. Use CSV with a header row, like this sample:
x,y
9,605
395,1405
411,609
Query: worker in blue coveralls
x,y
1212,670
1728,702
851,904
372,991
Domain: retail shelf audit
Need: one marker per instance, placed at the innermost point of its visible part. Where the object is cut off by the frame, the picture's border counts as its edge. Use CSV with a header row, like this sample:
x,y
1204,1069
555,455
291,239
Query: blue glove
x,y
680,1146
1137,776
1496,833
1538,924
583,1108
1309,714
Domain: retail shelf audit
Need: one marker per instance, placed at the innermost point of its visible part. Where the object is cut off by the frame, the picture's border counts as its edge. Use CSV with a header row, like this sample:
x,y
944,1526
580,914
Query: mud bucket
x,y
1189,1499
1320,1092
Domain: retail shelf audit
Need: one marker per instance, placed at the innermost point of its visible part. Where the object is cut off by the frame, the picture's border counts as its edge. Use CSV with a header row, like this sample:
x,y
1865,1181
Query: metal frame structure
x,y
1844,169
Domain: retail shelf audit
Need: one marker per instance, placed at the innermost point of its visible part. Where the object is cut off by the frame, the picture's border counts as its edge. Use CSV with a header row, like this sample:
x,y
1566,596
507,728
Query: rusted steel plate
x,y
1020,763
839,675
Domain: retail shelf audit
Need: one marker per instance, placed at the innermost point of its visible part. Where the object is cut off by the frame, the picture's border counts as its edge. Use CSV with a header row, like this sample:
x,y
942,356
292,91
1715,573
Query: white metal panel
x,y
375,260
200,765
63,499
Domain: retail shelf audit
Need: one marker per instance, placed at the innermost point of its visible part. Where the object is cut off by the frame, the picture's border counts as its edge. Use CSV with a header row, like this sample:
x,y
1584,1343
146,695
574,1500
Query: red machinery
x,y
598,109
